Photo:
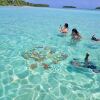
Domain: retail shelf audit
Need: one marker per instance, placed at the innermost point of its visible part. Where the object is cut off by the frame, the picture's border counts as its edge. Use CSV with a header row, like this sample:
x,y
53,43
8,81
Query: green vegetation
x,y
20,3
97,7
69,7
40,5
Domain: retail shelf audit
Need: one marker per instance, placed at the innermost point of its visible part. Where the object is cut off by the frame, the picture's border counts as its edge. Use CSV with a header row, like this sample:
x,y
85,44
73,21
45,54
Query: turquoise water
x,y
24,31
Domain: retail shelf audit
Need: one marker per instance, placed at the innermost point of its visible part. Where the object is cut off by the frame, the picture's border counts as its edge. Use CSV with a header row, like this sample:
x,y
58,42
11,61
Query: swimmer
x,y
64,29
94,38
88,64
85,64
75,34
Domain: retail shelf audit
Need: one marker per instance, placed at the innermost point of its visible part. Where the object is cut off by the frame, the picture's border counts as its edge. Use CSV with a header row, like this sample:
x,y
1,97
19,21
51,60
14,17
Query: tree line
x,y
20,3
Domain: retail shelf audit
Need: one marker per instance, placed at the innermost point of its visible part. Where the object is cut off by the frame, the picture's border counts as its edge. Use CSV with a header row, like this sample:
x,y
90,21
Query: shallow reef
x,y
44,56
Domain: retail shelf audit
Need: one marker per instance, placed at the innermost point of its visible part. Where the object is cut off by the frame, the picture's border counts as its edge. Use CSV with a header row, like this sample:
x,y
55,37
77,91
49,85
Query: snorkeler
x,y
64,29
85,64
94,38
75,34
90,65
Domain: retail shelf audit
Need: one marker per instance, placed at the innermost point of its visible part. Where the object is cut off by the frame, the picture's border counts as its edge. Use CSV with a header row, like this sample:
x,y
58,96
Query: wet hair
x,y
74,30
66,25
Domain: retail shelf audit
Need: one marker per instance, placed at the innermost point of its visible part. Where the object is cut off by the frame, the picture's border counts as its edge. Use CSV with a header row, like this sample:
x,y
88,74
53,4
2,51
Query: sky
x,y
90,4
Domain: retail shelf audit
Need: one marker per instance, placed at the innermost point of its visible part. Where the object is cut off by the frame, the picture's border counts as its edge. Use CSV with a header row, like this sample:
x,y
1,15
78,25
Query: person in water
x,y
75,34
64,29
85,64
94,38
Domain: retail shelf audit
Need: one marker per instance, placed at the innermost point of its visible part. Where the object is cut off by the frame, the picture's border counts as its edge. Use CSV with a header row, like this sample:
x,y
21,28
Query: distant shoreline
x,y
22,6
50,7
69,7
97,8
20,3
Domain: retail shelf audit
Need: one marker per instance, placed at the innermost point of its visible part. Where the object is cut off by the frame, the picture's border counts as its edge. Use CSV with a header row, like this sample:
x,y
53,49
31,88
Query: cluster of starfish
x,y
42,55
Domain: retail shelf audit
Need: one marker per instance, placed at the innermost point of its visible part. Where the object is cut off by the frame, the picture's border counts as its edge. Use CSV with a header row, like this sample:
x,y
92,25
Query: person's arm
x,y
86,60
60,28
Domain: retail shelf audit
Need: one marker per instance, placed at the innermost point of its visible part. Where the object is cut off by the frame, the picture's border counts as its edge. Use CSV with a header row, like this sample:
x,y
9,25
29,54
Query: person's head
x,y
66,25
75,32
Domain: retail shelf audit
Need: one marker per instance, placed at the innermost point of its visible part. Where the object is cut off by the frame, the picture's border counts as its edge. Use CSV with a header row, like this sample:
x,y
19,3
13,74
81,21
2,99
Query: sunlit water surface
x,y
29,42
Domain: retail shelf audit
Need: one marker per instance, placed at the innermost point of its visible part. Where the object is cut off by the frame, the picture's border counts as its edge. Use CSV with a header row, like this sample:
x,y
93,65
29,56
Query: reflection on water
x,y
34,61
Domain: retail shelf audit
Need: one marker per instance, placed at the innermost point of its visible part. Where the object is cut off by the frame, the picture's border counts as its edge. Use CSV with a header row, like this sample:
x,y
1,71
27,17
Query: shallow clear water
x,y
26,30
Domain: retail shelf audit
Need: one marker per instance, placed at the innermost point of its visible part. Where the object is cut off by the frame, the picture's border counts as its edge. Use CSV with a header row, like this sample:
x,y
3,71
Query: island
x,y
20,3
69,7
97,7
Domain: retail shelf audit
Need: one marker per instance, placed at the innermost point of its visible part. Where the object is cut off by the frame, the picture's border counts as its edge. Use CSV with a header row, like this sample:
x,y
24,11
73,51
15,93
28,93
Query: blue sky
x,y
78,3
